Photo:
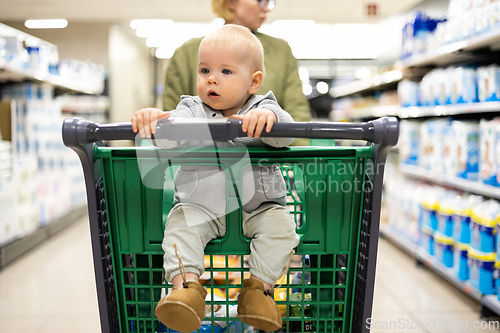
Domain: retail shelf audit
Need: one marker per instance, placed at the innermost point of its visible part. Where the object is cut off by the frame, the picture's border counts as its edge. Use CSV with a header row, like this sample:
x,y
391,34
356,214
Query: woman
x,y
282,75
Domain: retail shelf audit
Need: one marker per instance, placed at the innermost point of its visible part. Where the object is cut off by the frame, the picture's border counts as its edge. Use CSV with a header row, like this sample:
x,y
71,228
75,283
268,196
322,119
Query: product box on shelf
x,y
481,267
428,242
431,143
49,181
430,206
496,277
463,86
488,83
443,249
409,142
460,267
489,150
462,212
444,215
27,205
8,204
467,148
483,226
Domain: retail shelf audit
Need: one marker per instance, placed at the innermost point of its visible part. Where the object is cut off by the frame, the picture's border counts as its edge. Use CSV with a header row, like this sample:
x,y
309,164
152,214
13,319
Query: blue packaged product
x,y
461,226
483,226
236,327
444,216
462,211
428,240
443,249
497,239
429,211
496,277
482,235
481,266
460,266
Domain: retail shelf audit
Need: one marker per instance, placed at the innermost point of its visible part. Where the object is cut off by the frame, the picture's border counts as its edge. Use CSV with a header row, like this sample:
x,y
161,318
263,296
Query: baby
x,y
230,71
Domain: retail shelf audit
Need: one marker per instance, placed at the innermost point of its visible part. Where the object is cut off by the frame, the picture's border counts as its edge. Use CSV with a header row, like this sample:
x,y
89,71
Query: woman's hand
x,y
145,121
255,120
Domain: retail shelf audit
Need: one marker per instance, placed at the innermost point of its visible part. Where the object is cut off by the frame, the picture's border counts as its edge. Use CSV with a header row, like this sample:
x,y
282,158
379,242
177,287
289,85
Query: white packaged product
x,y
409,142
489,158
464,86
438,87
418,193
467,148
449,151
493,14
431,143
488,83
425,93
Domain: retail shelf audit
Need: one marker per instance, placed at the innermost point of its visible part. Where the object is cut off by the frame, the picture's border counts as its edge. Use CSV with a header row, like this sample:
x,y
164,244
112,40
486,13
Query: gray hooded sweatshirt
x,y
206,185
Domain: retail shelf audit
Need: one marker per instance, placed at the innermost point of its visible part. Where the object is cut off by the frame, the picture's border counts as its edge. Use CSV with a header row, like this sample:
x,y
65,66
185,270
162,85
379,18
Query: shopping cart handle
x,y
385,130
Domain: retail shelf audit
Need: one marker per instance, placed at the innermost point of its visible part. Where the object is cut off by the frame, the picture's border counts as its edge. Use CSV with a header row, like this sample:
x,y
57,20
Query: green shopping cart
x,y
334,196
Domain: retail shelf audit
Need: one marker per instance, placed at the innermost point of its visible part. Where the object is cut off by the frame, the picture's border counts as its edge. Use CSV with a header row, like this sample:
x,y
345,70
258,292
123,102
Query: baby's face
x,y
225,77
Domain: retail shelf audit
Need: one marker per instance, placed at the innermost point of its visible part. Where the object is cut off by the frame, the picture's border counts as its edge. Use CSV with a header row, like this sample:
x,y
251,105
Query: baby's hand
x,y
145,121
255,120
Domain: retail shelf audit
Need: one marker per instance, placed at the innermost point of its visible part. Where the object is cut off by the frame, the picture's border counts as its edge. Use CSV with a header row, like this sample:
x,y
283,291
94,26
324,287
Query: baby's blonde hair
x,y
230,33
221,9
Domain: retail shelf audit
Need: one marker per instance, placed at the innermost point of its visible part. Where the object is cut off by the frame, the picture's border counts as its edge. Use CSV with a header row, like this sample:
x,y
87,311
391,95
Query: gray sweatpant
x,y
270,228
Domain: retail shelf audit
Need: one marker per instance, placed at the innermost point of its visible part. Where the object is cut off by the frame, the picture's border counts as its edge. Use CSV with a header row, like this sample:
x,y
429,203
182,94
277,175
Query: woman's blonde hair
x,y
221,9
231,33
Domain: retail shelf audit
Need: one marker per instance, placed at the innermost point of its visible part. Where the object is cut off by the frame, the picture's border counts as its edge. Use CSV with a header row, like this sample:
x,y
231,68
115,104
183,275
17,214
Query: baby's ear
x,y
257,78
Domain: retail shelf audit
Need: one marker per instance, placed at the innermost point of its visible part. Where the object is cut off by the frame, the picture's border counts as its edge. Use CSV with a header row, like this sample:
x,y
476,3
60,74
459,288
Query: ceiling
x,y
321,11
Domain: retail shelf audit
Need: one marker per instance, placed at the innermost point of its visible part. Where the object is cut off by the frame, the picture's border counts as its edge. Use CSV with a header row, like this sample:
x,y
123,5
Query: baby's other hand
x,y
255,120
145,121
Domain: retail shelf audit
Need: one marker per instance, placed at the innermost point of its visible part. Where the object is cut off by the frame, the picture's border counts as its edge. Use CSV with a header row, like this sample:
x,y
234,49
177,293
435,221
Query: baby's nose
x,y
212,79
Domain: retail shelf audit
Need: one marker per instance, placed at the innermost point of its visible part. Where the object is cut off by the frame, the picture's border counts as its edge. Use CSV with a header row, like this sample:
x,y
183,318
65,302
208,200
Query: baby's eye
x,y
226,71
204,71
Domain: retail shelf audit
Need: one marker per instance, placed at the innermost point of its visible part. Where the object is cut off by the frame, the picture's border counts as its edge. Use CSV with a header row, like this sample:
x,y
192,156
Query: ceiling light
x,y
363,73
165,52
46,24
322,87
150,23
307,89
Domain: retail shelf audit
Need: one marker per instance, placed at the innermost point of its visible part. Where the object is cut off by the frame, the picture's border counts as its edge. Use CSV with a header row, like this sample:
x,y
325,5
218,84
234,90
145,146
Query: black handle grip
x,y
381,131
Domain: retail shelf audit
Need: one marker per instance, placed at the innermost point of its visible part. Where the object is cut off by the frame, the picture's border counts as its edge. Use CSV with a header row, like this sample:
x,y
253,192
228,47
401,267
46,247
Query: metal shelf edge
x,y
490,301
468,44
475,187
58,81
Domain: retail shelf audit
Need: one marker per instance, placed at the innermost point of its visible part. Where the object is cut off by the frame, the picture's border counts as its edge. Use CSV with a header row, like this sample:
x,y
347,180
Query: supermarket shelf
x,y
9,73
447,110
14,250
489,301
423,111
459,183
455,52
374,112
376,82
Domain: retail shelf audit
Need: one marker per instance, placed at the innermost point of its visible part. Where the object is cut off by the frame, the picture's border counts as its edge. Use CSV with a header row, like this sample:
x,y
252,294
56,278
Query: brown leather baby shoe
x,y
257,307
184,309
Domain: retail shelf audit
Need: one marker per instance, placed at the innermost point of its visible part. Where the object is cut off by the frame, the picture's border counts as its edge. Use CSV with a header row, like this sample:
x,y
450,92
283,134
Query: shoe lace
x,y
181,267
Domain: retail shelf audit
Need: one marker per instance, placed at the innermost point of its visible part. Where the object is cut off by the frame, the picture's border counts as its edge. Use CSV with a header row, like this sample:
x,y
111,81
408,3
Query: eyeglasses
x,y
267,3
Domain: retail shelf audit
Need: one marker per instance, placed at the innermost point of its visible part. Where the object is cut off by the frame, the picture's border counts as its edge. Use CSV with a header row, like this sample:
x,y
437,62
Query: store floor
x,y
51,290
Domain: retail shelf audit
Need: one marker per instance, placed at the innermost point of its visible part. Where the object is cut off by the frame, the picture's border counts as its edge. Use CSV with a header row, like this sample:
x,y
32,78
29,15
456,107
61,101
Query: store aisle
x,y
52,290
